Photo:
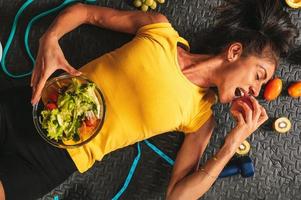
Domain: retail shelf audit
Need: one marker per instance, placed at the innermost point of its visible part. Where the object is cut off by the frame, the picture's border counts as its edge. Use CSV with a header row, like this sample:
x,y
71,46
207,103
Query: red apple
x,y
236,107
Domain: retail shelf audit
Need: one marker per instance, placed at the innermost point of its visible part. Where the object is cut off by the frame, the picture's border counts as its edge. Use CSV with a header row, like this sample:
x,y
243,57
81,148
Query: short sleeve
x,y
163,33
203,115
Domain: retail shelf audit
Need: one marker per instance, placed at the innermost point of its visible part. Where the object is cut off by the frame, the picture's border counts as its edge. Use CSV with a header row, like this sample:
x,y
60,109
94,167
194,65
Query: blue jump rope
x,y
231,170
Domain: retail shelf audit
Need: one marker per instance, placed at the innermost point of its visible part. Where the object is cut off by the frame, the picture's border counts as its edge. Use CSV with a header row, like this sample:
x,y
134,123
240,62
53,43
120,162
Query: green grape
x,y
149,2
161,1
137,3
153,6
144,7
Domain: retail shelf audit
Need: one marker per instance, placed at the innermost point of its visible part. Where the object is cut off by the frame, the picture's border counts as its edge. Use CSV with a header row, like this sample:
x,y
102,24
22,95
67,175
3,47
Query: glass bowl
x,y
55,85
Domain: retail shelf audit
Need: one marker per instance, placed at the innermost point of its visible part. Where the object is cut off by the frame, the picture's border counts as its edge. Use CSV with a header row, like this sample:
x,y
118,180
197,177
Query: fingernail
x,y
32,101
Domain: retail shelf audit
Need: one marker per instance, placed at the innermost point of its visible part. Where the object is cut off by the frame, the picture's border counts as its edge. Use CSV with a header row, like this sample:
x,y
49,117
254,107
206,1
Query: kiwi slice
x,y
243,148
282,125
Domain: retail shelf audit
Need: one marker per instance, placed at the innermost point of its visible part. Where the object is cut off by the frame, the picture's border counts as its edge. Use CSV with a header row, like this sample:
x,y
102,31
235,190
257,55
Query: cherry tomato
x,y
294,90
273,89
91,122
51,106
53,97
83,128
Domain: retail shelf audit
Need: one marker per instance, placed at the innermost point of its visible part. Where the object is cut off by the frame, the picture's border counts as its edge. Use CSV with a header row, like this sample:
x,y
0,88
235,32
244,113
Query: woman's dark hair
x,y
256,24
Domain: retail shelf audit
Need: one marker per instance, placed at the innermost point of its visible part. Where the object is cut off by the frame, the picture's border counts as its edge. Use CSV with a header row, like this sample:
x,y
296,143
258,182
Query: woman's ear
x,y
234,51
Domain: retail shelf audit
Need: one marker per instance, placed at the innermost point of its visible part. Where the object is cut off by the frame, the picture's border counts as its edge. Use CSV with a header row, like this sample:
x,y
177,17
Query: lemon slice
x,y
294,3
243,148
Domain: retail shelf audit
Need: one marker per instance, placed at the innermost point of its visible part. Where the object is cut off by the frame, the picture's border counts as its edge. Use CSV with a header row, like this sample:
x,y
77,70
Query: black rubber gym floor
x,y
277,158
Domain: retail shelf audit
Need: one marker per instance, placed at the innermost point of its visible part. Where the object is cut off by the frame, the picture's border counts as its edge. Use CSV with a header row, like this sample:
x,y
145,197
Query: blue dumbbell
x,y
240,165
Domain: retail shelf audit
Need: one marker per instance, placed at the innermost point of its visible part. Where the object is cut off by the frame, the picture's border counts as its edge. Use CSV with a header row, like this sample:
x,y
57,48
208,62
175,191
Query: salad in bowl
x,y
71,111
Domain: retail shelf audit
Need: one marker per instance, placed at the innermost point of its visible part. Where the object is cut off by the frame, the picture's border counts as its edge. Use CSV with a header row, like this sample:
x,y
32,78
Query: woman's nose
x,y
254,92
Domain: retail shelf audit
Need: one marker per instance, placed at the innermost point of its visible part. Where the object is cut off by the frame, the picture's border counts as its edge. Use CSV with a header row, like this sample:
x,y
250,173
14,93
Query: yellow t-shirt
x,y
145,92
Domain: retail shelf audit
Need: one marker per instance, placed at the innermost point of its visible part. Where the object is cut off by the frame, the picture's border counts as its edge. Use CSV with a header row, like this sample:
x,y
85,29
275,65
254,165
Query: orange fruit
x,y
293,3
273,89
294,90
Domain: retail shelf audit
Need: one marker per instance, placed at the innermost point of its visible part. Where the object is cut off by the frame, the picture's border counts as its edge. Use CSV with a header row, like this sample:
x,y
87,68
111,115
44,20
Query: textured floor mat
x,y
277,157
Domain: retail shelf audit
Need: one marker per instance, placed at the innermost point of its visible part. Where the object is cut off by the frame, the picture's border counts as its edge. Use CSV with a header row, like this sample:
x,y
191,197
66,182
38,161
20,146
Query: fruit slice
x,y
282,125
294,90
243,148
273,89
294,3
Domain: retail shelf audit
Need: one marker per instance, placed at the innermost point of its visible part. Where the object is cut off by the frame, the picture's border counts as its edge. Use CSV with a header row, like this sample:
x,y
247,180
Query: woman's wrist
x,y
48,36
232,142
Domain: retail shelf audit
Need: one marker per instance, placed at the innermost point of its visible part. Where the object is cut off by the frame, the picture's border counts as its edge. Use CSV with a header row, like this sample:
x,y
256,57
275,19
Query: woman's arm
x,y
50,56
117,20
190,152
193,186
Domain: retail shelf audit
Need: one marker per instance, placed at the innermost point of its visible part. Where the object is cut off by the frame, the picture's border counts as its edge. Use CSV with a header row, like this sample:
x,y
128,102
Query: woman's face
x,y
243,75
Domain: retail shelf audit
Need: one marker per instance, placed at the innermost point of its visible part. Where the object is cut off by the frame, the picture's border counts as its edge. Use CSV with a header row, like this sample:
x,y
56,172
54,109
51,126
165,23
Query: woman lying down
x,y
152,85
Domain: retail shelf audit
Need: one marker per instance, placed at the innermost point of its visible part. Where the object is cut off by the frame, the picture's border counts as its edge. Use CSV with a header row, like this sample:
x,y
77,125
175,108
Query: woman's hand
x,y
49,59
50,56
248,119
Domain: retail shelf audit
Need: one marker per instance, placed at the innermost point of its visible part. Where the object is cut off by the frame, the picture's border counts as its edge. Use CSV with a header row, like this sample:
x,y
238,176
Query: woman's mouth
x,y
239,92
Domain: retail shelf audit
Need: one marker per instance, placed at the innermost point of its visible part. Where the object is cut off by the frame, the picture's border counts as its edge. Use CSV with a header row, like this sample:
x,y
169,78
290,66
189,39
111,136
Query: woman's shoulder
x,y
162,32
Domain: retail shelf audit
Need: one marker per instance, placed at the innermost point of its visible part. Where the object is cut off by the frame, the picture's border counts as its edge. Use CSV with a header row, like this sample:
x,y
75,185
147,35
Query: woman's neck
x,y
200,69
